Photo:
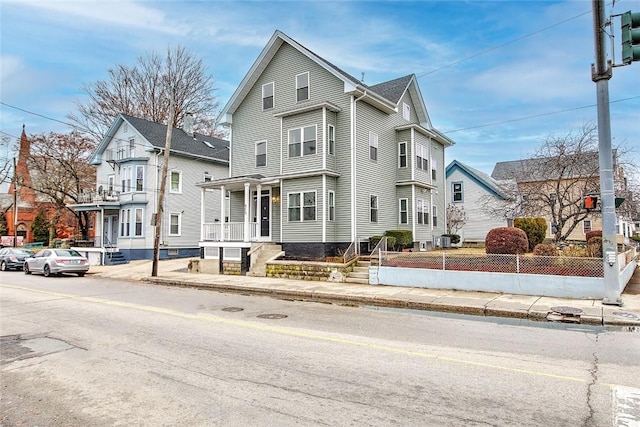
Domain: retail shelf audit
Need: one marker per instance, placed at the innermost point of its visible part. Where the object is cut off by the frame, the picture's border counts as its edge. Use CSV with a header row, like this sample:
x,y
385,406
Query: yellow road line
x,y
284,331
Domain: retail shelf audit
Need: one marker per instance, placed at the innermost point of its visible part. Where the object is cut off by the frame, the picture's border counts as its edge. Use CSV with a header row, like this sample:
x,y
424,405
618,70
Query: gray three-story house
x,y
319,160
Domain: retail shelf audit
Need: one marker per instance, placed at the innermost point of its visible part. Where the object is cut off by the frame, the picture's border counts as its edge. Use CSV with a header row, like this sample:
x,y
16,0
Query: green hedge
x,y
534,228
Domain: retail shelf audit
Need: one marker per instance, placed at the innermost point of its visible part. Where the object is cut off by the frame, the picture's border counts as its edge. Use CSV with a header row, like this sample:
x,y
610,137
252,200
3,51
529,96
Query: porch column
x,y
202,215
223,209
258,208
247,195
99,231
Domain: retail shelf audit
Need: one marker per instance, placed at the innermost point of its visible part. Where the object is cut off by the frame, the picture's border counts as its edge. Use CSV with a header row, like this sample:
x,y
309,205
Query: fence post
x,y
517,263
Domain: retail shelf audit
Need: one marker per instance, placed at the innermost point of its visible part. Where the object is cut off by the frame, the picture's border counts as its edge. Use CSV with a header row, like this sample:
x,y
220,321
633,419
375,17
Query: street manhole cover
x,y
232,309
567,311
272,316
625,315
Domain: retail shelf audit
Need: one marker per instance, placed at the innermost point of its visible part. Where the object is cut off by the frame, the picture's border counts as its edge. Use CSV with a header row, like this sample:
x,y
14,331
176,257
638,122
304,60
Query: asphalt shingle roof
x,y
393,89
181,141
548,168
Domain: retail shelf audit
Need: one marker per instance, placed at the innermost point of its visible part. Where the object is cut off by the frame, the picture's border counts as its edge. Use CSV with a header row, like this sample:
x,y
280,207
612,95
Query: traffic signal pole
x,y
601,73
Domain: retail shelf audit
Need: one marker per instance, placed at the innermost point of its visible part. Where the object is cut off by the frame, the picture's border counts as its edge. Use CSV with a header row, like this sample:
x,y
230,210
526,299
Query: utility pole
x,y
163,185
15,204
601,73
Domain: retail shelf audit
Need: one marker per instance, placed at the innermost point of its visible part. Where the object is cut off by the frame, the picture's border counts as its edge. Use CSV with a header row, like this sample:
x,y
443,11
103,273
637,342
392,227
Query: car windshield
x,y
66,252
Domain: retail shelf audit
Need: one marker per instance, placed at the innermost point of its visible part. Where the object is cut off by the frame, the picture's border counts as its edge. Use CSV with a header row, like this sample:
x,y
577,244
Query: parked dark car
x,y
56,261
13,258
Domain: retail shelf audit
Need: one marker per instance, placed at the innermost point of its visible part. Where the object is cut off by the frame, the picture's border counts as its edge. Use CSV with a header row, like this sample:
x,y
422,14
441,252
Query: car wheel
x,y
26,268
46,271
3,266
81,274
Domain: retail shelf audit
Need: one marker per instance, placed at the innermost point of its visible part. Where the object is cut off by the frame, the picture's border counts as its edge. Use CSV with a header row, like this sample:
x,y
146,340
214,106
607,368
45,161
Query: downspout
x,y
353,165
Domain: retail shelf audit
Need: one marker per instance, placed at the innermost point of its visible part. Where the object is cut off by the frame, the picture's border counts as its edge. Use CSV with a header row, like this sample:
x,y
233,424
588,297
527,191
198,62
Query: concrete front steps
x,y
260,254
115,258
360,272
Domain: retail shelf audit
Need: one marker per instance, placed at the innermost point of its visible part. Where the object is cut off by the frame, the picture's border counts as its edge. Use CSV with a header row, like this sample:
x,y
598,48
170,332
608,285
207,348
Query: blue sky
x,y
485,68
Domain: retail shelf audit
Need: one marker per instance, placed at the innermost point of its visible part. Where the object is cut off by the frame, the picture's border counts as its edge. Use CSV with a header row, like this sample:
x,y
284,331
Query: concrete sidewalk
x,y
174,273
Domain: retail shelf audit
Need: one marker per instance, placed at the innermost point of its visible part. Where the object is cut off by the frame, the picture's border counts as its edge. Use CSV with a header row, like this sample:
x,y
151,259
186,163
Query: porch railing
x,y
230,231
92,196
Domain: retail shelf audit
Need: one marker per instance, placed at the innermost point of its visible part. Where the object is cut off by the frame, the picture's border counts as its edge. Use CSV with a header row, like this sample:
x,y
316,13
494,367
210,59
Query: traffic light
x,y
630,37
589,202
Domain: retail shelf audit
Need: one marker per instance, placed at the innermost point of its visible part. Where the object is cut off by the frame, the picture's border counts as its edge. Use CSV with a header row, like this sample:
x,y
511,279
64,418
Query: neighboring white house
x,y
469,188
128,164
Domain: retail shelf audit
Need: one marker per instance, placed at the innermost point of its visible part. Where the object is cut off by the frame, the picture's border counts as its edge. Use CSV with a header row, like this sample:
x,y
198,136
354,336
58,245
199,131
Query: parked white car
x,y
57,261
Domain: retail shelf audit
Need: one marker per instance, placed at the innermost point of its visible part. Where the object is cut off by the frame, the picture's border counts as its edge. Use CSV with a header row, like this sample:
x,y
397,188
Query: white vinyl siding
x,y
268,94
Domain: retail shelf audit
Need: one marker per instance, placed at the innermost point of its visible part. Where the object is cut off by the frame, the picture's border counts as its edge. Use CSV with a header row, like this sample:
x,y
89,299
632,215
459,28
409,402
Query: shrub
x,y
374,240
506,240
594,247
592,233
403,238
535,228
546,249
455,238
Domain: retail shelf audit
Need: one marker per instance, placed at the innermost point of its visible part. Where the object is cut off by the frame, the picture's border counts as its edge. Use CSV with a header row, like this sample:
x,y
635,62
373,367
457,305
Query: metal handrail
x,y
381,246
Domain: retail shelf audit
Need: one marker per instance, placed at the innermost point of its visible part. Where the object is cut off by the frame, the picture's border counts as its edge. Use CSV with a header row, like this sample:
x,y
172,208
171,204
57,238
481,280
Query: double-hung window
x,y
139,178
373,203
111,179
267,96
331,131
125,179
402,155
586,225
434,169
403,214
406,111
331,201
302,206
456,192
422,211
176,182
302,87
422,154
125,222
138,222
261,153
302,141
132,147
175,220
435,215
373,146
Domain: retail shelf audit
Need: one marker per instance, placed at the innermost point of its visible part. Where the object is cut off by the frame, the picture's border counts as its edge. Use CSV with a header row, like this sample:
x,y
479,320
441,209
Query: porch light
x,y
275,198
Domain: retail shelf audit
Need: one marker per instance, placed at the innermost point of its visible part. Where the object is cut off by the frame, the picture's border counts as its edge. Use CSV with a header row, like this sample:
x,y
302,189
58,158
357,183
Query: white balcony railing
x,y
233,231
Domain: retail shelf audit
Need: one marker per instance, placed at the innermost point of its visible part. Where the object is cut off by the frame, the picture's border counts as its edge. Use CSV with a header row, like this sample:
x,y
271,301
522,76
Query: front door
x,y
110,231
265,200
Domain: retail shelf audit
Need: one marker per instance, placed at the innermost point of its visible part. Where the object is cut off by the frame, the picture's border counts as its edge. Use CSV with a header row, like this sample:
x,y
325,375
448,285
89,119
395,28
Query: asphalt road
x,y
97,352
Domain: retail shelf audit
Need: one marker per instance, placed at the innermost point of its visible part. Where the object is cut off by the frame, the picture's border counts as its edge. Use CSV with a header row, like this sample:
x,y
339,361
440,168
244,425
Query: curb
x,y
384,301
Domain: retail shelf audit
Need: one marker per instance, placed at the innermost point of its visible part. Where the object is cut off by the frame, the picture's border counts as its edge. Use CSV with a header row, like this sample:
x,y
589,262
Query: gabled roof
x,y
196,145
479,177
384,96
579,165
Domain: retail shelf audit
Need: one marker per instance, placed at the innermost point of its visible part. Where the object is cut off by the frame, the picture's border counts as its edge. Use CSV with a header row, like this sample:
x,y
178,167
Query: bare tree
x,y
456,218
554,180
60,171
144,90
6,168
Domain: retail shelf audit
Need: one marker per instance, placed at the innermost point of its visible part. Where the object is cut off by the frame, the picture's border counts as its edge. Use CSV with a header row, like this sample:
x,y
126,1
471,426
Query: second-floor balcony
x,y
94,196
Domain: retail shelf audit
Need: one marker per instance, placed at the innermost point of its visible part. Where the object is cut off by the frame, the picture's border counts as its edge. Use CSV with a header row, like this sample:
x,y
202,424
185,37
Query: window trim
x,y
406,111
273,96
404,211
373,146
301,206
331,205
584,225
454,192
422,212
263,142
373,208
302,141
136,222
179,225
139,180
422,161
331,139
179,173
402,156
308,86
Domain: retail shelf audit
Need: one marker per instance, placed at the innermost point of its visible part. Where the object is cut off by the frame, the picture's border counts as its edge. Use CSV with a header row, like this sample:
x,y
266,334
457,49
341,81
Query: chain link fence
x,y
526,264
